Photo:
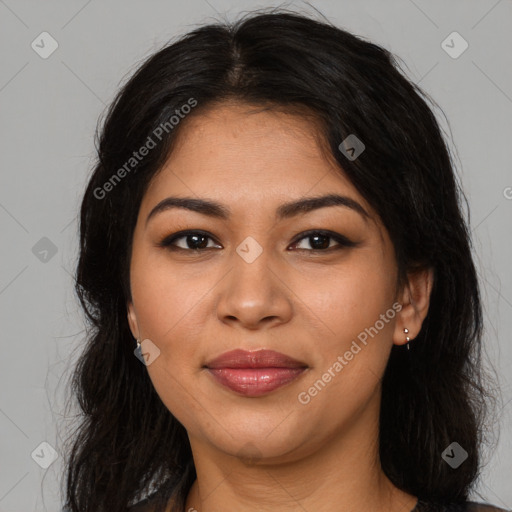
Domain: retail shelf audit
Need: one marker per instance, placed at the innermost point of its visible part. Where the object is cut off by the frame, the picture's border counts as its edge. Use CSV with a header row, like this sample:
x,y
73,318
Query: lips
x,y
254,373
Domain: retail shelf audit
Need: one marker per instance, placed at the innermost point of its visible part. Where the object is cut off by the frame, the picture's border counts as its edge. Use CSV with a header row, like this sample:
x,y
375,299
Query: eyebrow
x,y
216,210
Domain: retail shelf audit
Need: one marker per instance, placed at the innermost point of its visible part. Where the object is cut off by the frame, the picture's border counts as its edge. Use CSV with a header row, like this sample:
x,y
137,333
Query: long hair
x,y
128,444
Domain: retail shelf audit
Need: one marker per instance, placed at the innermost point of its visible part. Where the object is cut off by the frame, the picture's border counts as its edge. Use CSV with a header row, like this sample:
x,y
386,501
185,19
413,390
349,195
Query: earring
x,y
407,338
138,350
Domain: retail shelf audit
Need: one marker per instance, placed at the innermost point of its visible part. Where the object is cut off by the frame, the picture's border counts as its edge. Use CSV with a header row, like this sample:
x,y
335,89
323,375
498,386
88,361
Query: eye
x,y
192,241
320,241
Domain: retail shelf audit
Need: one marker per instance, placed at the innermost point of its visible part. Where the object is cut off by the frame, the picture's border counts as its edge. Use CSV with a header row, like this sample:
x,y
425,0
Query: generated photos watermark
x,y
304,397
143,151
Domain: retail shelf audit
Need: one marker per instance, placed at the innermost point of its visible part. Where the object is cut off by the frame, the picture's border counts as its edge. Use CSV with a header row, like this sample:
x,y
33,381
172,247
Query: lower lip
x,y
255,381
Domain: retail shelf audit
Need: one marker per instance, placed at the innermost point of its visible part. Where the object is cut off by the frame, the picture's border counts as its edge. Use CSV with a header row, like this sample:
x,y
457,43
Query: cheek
x,y
167,301
354,353
170,317
350,298
355,306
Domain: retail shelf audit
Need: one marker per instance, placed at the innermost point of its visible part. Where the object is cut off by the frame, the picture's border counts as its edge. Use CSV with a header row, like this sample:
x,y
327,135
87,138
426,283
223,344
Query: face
x,y
316,284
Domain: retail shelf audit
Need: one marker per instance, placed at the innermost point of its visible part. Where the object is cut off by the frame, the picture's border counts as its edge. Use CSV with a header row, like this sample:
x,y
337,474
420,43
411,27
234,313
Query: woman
x,y
274,229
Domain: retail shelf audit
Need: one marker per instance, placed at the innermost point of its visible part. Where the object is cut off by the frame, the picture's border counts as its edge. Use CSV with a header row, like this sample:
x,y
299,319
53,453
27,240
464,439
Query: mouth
x,y
254,373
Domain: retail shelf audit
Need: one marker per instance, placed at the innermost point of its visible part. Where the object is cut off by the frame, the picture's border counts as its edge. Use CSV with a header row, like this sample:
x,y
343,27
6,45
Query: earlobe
x,y
415,302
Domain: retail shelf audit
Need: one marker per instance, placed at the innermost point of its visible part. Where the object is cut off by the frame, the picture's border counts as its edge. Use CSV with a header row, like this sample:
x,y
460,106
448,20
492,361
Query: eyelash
x,y
343,241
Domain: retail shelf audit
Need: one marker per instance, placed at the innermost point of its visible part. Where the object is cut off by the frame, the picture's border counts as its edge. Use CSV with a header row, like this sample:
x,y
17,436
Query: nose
x,y
254,294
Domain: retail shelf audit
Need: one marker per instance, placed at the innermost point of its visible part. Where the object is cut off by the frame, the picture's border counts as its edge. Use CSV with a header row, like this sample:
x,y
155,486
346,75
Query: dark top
x,y
468,506
421,506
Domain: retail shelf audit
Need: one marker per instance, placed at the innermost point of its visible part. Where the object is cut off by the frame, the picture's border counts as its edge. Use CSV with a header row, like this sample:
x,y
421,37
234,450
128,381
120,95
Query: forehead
x,y
252,155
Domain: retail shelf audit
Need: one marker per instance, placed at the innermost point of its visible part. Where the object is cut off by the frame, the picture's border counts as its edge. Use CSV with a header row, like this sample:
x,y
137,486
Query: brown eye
x,y
321,241
188,240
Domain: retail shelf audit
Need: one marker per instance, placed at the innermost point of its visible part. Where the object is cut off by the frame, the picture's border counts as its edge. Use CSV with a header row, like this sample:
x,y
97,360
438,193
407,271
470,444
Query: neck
x,y
342,473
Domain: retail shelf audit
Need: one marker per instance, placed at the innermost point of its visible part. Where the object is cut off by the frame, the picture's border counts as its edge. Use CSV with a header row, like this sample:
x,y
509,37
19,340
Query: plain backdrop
x,y
49,110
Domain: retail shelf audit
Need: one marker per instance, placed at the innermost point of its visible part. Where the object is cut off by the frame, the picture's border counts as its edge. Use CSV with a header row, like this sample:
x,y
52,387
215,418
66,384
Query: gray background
x,y
49,109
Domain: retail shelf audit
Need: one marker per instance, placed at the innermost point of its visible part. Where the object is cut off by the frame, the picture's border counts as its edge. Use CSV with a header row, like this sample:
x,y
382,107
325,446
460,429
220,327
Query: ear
x,y
415,300
132,320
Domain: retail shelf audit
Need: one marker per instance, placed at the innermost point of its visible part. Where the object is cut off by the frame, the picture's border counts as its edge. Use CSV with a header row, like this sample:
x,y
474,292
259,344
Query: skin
x,y
270,452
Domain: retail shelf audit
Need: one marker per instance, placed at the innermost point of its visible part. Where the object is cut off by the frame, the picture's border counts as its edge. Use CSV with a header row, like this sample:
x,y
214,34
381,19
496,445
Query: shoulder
x,y
146,505
469,506
483,507
142,506
149,505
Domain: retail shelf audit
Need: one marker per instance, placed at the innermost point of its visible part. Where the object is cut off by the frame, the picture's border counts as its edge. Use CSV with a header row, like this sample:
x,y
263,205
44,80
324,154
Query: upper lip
x,y
255,359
